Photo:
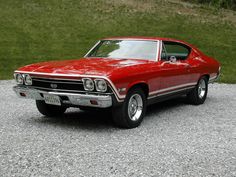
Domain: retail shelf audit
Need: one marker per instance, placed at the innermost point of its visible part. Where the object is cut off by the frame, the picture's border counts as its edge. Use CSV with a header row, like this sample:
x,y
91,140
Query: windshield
x,y
125,49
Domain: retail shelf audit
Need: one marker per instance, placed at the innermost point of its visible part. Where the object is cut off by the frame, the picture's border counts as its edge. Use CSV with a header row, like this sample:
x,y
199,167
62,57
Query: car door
x,y
175,72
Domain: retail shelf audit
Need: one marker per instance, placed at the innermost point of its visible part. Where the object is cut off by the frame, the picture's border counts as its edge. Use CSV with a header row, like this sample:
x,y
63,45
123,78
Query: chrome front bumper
x,y
103,101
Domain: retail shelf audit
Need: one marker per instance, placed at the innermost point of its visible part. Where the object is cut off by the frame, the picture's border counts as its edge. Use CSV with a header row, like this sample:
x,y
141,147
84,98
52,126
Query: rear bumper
x,y
214,78
102,101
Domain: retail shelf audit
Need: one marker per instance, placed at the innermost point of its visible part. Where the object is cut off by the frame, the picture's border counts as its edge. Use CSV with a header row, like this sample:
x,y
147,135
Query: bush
x,y
229,4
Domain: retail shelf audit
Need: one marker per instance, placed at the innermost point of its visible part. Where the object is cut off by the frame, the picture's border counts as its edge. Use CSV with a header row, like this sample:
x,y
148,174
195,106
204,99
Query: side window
x,y
180,51
163,53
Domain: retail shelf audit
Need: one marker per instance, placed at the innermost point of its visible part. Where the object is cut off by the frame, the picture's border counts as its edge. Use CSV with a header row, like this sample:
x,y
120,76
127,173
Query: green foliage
x,y
41,30
230,4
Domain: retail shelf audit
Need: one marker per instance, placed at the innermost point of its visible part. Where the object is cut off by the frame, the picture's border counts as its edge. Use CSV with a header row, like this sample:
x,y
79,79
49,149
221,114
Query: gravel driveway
x,y
175,139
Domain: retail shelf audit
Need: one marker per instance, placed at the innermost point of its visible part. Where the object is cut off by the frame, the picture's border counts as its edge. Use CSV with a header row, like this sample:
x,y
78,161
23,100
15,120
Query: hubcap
x,y
135,107
202,88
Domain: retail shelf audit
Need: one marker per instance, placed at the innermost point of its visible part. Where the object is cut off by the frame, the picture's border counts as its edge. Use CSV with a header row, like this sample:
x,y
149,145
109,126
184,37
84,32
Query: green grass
x,y
229,4
42,30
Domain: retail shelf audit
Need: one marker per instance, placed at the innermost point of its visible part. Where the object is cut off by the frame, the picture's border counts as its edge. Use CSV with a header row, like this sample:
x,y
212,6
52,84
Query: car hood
x,y
84,66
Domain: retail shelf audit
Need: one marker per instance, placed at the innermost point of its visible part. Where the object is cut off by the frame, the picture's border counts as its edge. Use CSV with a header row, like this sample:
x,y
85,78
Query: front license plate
x,y
52,99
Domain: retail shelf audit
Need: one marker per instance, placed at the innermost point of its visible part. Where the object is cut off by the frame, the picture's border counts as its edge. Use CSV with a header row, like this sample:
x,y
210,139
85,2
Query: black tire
x,y
87,109
120,114
194,97
49,110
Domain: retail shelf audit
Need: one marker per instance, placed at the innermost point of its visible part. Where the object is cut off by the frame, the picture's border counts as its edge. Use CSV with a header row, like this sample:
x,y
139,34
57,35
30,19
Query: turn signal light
x,y
94,102
23,94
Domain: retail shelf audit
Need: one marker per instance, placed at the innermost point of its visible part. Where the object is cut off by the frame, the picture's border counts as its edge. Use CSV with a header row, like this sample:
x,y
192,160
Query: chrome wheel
x,y
135,107
202,88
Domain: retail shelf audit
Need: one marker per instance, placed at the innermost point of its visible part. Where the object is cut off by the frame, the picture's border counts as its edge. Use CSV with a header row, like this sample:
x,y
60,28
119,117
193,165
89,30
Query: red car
x,y
124,73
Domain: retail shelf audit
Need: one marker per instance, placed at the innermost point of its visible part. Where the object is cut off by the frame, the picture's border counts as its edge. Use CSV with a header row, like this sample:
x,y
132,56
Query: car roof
x,y
149,39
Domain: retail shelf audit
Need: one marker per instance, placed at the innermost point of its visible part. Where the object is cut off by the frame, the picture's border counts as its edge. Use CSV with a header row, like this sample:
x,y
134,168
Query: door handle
x,y
187,65
166,62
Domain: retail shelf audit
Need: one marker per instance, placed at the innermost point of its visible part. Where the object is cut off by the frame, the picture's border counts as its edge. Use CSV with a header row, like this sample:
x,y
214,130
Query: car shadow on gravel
x,y
166,106
102,119
80,119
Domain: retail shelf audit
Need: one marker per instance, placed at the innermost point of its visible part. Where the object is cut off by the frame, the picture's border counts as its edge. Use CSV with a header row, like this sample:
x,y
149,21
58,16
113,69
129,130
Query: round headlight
x,y
88,84
28,80
101,85
19,79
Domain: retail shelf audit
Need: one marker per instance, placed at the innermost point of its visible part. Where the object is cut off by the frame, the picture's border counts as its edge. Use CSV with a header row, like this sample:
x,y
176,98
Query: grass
x,y
229,4
41,30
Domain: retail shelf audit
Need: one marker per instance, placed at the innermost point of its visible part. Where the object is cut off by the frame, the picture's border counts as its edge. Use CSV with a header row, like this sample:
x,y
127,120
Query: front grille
x,y
60,85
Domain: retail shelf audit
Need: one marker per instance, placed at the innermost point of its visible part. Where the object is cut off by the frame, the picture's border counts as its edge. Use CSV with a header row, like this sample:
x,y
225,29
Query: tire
x,y
131,113
93,109
199,94
87,109
49,110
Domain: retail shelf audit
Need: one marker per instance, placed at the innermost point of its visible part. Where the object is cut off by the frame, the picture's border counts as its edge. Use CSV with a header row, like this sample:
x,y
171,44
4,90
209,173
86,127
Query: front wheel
x,y
49,110
130,114
198,95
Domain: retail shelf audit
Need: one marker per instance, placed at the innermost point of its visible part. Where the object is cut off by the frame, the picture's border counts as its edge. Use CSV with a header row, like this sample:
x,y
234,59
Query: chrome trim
x,y
64,90
128,39
214,78
160,51
162,45
174,91
118,96
58,78
201,88
92,48
135,107
104,101
121,89
172,88
61,82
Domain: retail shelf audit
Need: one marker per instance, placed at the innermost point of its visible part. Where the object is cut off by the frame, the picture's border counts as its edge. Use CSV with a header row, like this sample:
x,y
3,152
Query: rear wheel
x,y
130,114
49,110
199,93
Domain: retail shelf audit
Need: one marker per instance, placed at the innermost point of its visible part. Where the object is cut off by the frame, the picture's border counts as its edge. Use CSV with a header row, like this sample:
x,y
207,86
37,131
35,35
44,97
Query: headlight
x,y
28,80
19,78
101,85
88,84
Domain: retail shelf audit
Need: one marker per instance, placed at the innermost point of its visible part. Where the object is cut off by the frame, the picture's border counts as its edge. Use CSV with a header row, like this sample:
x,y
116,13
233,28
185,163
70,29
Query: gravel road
x,y
175,139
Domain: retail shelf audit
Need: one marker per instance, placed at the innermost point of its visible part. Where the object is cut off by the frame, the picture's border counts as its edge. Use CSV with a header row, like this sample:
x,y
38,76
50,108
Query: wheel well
x,y
207,76
143,86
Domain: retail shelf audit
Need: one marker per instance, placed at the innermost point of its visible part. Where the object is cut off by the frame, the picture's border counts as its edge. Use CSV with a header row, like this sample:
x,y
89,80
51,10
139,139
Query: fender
x,y
130,85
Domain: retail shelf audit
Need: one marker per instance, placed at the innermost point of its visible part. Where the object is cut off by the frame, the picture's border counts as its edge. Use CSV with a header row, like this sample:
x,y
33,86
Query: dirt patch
x,y
165,7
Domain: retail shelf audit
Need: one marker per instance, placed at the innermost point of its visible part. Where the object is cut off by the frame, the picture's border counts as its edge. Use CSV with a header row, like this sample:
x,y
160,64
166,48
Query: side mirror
x,y
173,59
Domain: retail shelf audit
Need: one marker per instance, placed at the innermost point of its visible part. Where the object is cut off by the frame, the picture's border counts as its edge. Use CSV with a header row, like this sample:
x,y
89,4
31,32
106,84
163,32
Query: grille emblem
x,y
54,86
